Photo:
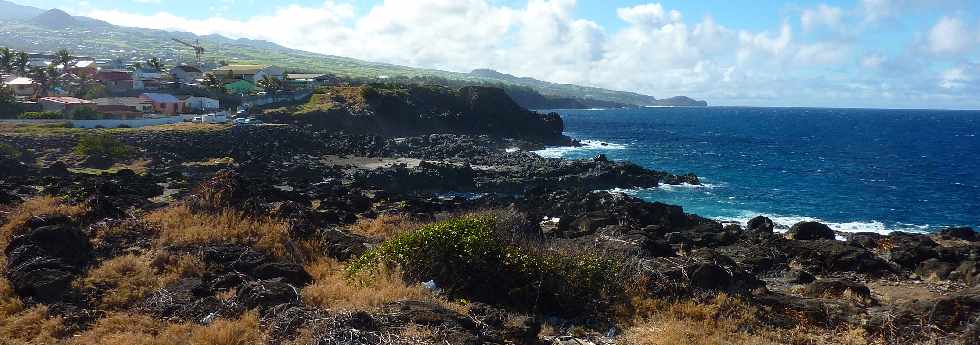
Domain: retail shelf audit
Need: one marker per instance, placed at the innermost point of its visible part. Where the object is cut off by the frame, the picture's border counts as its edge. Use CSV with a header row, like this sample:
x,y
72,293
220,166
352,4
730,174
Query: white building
x,y
201,103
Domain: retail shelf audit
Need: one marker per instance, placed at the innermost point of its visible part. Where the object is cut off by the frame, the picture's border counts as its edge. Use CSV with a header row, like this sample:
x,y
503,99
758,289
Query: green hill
x,y
89,37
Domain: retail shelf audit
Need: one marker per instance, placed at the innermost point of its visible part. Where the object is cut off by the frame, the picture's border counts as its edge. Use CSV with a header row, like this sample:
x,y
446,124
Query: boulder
x,y
808,231
948,313
43,262
289,273
343,245
908,250
934,269
761,224
968,271
798,277
709,276
834,256
965,234
266,293
188,299
836,288
233,257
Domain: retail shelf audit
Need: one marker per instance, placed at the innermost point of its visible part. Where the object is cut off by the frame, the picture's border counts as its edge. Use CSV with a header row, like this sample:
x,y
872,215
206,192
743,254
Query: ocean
x,y
853,169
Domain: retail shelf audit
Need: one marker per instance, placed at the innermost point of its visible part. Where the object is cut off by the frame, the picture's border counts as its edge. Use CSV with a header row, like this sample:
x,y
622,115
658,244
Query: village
x,y
93,92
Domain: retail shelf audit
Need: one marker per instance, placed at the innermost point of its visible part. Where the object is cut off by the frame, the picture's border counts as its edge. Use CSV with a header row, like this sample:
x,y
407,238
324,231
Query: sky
x,y
835,53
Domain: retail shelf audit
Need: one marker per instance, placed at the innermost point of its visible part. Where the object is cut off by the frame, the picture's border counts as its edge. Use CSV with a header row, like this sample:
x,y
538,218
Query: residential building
x,y
23,87
300,80
65,105
200,104
115,81
252,73
124,106
186,74
164,103
146,78
86,68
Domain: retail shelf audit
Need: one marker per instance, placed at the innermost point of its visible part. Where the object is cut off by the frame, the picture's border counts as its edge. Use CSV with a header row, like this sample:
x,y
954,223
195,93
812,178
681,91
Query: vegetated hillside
x,y
399,110
90,37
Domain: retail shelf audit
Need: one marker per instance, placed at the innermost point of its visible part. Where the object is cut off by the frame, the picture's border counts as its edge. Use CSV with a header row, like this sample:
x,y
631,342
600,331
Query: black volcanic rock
x,y
810,231
55,19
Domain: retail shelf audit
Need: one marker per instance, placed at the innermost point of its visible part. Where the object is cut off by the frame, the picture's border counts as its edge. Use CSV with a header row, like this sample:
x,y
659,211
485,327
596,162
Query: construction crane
x,y
198,49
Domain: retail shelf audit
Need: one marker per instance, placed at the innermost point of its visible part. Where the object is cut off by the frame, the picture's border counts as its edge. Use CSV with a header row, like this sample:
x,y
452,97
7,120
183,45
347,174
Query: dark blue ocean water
x,y
855,169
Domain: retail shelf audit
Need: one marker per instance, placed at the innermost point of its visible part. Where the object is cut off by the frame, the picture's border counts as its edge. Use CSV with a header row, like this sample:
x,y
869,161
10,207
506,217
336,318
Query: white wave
x,y
512,150
587,145
783,223
663,187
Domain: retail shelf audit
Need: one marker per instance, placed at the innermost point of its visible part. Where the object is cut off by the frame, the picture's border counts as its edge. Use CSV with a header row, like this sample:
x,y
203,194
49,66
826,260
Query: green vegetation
x,y
41,115
86,113
8,102
9,151
467,259
102,144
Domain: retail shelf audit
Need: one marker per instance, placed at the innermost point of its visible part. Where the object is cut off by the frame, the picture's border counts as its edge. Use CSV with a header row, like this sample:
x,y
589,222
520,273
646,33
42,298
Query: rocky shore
x,y
304,234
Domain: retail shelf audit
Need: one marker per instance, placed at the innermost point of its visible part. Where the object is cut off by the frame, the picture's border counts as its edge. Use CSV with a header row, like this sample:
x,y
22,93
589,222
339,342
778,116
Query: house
x,y
164,103
115,81
300,80
86,68
186,74
146,78
240,87
252,73
23,87
65,105
124,106
200,104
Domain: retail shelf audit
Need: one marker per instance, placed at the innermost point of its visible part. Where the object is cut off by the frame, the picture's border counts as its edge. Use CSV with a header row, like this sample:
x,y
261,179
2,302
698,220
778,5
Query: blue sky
x,y
854,53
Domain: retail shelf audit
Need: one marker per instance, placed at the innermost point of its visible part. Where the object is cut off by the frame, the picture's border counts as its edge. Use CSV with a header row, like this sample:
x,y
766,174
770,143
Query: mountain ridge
x,y
93,37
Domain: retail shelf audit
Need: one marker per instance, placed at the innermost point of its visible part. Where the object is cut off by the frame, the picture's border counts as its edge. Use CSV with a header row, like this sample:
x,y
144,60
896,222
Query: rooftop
x,y
239,69
20,81
161,97
66,100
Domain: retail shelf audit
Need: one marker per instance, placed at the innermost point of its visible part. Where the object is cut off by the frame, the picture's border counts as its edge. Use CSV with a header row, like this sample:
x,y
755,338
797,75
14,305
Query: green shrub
x,y
467,259
102,144
41,115
10,151
86,113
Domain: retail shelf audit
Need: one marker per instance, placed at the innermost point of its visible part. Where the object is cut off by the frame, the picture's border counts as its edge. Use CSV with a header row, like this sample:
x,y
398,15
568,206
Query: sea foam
x,y
783,223
587,145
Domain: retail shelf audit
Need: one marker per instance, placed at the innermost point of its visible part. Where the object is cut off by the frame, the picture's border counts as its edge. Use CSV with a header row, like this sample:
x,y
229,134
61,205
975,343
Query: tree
x,y
270,84
63,57
211,82
43,80
21,60
155,63
6,60
137,66
9,108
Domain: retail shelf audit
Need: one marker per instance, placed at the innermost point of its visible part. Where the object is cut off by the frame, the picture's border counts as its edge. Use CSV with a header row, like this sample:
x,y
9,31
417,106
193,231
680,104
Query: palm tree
x,y
42,78
21,60
155,63
6,60
137,66
63,57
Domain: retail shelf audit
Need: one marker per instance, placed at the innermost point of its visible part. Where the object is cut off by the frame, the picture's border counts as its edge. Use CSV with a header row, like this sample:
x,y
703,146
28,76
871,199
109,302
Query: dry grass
x,y
332,289
124,328
725,320
244,331
125,280
177,267
31,326
10,303
385,226
181,226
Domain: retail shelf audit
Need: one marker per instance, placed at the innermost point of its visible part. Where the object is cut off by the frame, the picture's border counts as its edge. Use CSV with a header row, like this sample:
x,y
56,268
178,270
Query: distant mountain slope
x,y
12,11
52,30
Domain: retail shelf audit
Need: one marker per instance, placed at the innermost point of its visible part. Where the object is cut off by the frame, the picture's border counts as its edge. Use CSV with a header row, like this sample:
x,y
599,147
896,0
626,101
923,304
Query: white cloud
x,y
950,36
822,15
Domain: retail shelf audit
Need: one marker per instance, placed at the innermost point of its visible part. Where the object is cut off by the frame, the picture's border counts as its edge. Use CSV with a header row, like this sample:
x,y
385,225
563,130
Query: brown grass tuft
x,y
243,331
385,226
31,326
125,279
181,226
332,289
